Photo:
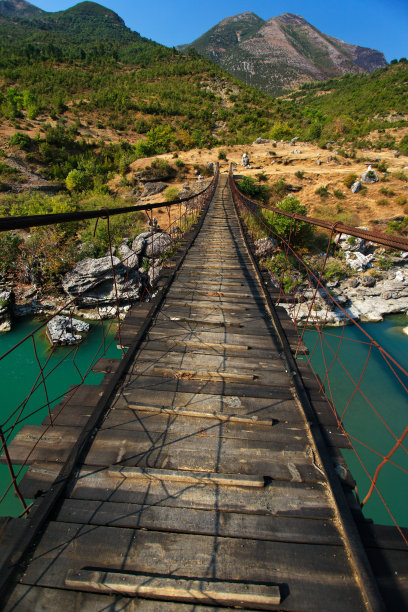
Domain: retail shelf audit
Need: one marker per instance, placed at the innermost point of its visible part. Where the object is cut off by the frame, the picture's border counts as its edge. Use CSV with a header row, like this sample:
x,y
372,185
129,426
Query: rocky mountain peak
x,y
290,19
282,53
247,16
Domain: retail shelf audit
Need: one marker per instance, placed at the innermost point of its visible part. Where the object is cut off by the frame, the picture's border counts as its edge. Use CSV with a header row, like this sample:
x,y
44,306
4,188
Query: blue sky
x,y
379,24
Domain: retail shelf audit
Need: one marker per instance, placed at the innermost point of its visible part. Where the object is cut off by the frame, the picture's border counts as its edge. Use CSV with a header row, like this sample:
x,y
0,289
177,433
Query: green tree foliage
x,y
299,232
76,181
249,187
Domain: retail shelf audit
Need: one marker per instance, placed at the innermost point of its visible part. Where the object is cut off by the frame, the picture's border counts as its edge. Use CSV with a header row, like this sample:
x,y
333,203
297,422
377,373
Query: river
x,y
381,406
19,371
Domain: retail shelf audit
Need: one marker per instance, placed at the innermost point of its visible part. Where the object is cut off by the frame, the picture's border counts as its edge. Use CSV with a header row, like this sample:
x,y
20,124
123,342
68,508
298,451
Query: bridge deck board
x,y
247,423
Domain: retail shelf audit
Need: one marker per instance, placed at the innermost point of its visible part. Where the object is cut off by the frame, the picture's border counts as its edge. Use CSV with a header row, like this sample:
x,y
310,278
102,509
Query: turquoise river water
x,y
19,370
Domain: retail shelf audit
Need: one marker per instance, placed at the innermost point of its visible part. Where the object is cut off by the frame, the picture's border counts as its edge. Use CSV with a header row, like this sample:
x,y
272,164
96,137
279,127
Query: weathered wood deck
x,y
204,486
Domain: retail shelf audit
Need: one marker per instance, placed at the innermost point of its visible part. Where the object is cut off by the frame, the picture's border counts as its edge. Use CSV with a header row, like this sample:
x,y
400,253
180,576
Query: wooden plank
x,y
106,365
10,529
279,408
254,340
260,597
383,536
151,474
319,578
390,568
184,420
134,384
210,360
200,522
277,498
284,460
26,598
182,374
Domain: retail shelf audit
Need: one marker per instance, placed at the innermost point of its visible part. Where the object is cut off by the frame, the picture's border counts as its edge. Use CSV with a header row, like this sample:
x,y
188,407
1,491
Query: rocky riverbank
x,y
92,290
364,280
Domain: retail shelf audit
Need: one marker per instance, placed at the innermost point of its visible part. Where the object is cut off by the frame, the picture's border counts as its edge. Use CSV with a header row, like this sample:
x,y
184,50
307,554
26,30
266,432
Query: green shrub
x,y
171,193
222,155
387,192
300,174
335,270
322,191
76,181
350,179
261,176
300,232
403,145
383,202
382,166
249,187
401,201
20,140
339,194
401,175
179,163
385,263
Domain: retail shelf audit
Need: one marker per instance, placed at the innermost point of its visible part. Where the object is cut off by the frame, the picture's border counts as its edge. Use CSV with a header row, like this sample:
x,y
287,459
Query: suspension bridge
x,y
205,471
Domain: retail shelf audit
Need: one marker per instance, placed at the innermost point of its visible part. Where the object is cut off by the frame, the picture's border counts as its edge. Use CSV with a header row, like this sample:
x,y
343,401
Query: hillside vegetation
x,y
81,92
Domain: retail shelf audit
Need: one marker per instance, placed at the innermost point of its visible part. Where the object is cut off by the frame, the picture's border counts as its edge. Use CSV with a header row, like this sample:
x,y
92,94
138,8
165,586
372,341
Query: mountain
x,y
282,53
19,9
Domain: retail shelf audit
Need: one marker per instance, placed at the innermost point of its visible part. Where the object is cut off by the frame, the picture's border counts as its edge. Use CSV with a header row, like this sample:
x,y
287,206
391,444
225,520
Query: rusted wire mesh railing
x,y
365,385
38,394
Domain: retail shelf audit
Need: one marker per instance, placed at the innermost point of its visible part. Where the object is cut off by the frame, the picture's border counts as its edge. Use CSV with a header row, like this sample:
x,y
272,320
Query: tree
x,y
298,231
76,181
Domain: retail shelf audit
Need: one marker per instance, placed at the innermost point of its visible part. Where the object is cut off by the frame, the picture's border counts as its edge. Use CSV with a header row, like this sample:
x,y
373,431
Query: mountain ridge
x,y
281,53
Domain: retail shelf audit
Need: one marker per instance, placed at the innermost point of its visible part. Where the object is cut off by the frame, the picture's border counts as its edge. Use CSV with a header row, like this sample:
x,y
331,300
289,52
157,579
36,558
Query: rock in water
x,y
6,299
91,282
65,331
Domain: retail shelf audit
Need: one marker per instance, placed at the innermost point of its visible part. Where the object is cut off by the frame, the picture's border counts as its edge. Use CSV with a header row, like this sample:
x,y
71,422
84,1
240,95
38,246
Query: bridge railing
x,y
365,384
38,391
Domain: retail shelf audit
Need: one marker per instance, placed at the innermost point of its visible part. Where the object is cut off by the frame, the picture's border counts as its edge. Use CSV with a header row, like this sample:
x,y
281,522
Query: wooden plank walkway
x,y
202,488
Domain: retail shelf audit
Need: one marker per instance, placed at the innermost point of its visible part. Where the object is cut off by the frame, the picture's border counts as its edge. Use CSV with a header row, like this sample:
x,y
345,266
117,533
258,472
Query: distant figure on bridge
x,y
245,160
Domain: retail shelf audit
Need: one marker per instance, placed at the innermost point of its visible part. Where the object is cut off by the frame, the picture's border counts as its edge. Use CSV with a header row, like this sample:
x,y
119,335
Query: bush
x,y
261,176
299,231
179,163
76,181
322,191
222,155
387,192
350,179
383,202
382,166
400,174
279,189
403,145
20,140
249,187
300,174
335,270
171,193
339,194
401,201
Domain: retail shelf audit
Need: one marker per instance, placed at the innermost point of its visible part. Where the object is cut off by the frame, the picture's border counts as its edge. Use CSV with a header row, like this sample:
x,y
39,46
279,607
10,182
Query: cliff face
x,y
283,52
